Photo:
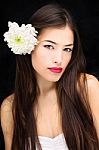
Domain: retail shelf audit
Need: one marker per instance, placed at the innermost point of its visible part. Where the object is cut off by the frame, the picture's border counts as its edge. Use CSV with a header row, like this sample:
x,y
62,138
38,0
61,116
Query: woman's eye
x,y
68,49
49,46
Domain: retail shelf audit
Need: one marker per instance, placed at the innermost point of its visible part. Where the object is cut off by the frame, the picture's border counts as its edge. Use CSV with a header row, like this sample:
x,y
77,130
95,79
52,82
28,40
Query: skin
x,y
47,112
54,50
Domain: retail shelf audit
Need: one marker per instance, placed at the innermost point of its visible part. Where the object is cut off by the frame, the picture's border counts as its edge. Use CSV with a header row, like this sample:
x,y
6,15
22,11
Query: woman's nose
x,y
58,57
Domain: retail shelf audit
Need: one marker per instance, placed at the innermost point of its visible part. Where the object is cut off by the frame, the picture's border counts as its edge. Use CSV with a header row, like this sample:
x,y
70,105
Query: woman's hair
x,y
77,121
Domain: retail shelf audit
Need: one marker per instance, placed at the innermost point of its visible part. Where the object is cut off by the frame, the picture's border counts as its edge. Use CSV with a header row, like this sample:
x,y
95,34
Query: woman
x,y
55,104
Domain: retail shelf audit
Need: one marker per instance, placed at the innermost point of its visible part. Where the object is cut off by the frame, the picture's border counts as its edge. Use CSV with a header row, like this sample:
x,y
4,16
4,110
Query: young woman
x,y
55,104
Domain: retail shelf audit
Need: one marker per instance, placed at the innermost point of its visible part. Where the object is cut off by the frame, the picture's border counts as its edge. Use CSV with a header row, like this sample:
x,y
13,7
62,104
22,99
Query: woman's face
x,y
53,53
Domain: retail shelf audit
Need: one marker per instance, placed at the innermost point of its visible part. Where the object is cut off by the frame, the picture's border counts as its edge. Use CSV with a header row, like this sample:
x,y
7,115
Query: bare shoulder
x,y
7,103
93,96
93,88
6,114
7,123
92,81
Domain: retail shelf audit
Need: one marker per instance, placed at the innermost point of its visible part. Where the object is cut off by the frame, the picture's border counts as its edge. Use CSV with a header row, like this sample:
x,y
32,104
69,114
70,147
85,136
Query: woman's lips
x,y
55,69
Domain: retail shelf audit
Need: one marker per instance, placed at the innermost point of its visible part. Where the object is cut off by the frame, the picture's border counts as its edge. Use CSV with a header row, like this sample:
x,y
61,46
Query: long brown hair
x,y
77,121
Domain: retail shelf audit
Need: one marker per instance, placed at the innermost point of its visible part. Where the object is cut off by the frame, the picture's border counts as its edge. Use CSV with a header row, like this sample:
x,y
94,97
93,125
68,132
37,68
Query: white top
x,y
57,143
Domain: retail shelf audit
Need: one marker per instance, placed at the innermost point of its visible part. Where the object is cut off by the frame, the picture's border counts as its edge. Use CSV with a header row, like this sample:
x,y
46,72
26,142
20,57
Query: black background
x,y
86,15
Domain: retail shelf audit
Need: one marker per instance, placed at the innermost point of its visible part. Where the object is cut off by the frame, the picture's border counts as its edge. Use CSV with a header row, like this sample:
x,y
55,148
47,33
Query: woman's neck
x,y
47,98
45,87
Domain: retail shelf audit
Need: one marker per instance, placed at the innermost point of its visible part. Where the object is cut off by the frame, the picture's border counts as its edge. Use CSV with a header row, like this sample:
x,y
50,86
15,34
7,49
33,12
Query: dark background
x,y
86,15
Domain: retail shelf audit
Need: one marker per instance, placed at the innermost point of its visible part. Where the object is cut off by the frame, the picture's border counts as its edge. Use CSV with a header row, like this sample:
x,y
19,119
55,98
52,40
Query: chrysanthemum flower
x,y
22,39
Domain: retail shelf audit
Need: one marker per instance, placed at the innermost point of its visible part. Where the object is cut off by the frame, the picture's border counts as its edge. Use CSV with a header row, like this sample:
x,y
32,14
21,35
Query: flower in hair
x,y
22,39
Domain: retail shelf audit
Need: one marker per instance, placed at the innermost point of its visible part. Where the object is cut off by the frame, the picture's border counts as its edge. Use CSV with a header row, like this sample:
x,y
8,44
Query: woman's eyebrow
x,y
50,41
57,43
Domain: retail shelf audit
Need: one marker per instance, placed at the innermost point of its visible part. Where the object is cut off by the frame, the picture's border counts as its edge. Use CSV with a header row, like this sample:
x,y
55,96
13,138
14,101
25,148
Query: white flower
x,y
22,39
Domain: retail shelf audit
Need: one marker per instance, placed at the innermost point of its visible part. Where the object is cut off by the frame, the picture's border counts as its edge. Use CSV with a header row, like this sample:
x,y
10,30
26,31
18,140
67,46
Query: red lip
x,y
55,69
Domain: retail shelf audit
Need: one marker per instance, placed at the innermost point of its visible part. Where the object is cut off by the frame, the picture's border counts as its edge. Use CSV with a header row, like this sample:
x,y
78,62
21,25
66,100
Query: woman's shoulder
x,y
92,89
7,102
93,96
88,81
92,86
91,80
6,114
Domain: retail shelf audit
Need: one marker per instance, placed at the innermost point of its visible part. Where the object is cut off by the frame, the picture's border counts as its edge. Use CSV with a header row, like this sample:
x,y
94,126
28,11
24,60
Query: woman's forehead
x,y
57,35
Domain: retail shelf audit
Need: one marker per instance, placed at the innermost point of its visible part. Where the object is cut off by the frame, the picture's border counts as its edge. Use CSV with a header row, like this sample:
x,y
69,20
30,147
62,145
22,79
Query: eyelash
x,y
68,50
52,47
49,46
